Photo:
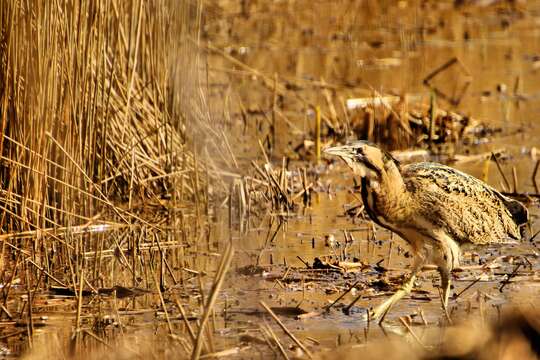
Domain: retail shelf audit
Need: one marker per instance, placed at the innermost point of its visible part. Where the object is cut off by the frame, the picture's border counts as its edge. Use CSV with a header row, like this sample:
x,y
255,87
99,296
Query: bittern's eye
x,y
359,151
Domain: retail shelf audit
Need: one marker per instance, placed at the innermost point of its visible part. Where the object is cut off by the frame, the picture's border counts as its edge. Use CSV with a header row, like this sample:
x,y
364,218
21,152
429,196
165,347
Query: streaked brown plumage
x,y
466,208
435,208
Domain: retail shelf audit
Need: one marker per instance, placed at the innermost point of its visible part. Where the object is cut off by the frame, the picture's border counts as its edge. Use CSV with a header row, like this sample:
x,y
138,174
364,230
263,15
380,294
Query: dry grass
x,y
93,109
102,185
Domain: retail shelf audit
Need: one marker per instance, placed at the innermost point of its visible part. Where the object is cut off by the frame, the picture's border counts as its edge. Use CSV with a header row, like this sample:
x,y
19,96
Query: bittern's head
x,y
365,158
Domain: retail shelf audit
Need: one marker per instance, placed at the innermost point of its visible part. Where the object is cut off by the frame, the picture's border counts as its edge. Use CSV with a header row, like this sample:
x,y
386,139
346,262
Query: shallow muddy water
x,y
355,48
303,236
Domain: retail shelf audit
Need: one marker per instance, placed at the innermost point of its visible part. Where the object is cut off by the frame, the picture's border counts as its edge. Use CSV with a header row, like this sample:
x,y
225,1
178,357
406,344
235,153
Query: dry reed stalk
x,y
186,321
485,170
413,334
432,112
317,134
79,309
108,93
328,307
282,351
94,107
30,320
515,180
274,109
6,311
535,171
347,308
216,287
506,183
97,338
444,306
472,283
162,300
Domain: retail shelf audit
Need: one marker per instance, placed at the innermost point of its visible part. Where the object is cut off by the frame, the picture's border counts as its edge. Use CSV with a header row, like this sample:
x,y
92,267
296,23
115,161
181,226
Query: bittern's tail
x,y
519,212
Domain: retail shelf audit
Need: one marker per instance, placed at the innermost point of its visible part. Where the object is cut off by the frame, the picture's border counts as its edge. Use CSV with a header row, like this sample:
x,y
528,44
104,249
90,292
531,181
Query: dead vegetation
x,y
105,193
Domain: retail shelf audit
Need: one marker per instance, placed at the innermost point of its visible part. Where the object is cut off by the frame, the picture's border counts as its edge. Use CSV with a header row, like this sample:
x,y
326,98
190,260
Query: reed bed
x,y
93,110
103,186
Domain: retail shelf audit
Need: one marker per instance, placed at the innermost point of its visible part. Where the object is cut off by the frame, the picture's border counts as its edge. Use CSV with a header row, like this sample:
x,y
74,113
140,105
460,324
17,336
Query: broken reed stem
x,y
485,171
317,134
274,108
30,322
79,304
506,183
510,276
534,236
445,309
347,308
287,331
97,338
158,289
536,167
216,287
268,328
413,334
467,287
421,313
389,257
6,311
341,296
46,273
132,175
261,146
515,179
431,119
186,321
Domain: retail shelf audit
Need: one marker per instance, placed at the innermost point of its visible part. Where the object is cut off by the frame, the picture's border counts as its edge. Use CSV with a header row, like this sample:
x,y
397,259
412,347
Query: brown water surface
x,y
357,48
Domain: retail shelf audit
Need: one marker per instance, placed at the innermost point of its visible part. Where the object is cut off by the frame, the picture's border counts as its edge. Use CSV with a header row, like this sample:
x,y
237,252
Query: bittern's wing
x,y
466,208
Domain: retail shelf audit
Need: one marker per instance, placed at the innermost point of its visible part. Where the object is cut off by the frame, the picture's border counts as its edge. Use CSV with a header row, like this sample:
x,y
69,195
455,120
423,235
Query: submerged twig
x,y
467,288
328,307
507,281
287,331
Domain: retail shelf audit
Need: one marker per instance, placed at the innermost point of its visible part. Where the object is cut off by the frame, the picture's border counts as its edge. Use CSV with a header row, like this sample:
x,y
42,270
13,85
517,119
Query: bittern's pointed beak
x,y
359,163
344,151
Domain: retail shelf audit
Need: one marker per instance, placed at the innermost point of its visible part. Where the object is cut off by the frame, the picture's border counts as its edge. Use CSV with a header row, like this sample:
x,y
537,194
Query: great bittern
x,y
433,207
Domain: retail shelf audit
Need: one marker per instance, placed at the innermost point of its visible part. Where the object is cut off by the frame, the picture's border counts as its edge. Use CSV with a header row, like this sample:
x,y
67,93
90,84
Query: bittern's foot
x,y
445,297
445,287
379,313
382,310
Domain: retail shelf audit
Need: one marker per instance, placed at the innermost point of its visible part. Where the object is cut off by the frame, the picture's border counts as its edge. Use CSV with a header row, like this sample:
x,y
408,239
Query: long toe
x,y
380,311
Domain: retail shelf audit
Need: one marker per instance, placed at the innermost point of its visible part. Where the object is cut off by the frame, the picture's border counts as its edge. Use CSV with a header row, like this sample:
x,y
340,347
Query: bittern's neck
x,y
390,182
384,196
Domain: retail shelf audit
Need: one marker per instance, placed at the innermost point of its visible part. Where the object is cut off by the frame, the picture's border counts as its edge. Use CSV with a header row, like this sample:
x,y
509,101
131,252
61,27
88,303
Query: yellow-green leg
x,y
380,312
445,286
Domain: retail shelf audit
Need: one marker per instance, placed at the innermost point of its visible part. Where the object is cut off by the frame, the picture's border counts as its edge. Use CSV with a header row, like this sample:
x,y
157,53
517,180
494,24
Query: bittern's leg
x,y
447,259
380,312
445,285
